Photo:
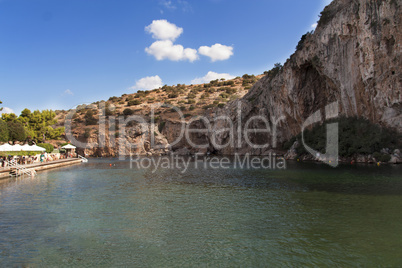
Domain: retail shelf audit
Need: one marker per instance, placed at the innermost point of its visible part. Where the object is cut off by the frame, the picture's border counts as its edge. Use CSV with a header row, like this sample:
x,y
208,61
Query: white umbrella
x,y
68,146
6,147
36,148
32,148
16,148
26,148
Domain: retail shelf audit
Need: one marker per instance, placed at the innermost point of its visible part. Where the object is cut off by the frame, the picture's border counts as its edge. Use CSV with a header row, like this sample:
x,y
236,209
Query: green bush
x,y
214,82
230,83
191,96
89,118
128,111
377,156
18,153
381,157
108,112
49,148
3,131
54,133
205,95
91,121
356,136
224,95
385,158
134,102
89,113
173,95
249,79
114,99
230,91
16,131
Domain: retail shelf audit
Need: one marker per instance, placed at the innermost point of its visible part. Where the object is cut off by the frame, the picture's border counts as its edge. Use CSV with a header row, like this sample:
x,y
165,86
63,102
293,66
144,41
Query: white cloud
x,y
165,49
149,82
168,4
216,52
314,25
7,110
211,76
68,92
175,5
163,30
185,6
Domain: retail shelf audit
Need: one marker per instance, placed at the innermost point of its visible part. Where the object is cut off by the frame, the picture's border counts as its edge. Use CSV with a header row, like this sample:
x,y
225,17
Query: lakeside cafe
x,y
70,150
11,149
18,148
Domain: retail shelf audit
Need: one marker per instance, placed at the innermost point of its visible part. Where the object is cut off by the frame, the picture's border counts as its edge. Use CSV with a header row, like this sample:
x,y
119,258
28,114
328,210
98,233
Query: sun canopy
x,y
18,148
6,147
36,148
68,146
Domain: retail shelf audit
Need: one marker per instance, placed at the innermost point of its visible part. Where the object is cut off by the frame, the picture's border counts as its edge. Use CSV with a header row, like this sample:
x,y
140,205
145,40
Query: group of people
x,y
40,158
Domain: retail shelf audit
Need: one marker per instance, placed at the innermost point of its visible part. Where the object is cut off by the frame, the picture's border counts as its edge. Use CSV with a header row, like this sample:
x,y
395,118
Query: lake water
x,y
99,215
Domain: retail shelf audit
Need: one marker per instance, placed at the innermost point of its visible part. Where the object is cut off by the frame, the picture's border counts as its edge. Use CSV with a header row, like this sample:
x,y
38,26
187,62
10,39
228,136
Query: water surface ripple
x,y
96,215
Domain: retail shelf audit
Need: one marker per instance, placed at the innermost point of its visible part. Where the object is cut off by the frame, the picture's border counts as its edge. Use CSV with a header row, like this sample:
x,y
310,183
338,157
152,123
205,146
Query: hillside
x,y
349,66
191,100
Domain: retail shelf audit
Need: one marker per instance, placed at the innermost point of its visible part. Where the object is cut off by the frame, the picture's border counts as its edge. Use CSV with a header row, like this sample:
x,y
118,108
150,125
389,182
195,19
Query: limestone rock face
x,y
140,139
352,61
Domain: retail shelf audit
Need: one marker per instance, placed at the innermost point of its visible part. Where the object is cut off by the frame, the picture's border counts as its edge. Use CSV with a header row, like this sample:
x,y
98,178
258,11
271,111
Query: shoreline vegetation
x,y
360,141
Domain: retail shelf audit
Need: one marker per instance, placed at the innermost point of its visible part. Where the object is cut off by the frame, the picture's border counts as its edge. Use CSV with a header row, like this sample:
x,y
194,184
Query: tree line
x,y
29,126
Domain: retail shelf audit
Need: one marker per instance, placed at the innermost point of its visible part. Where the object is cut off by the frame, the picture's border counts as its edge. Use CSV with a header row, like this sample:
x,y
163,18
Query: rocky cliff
x,y
350,65
352,60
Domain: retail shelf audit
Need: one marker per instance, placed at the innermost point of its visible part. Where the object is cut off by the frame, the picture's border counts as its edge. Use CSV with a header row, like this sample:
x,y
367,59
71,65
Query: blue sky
x,y
55,54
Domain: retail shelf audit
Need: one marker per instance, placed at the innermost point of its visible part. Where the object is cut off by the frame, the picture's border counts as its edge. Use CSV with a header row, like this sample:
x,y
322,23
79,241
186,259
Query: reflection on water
x,y
96,215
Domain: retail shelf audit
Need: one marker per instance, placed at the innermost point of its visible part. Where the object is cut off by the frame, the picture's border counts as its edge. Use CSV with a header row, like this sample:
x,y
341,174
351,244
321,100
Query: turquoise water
x,y
309,215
